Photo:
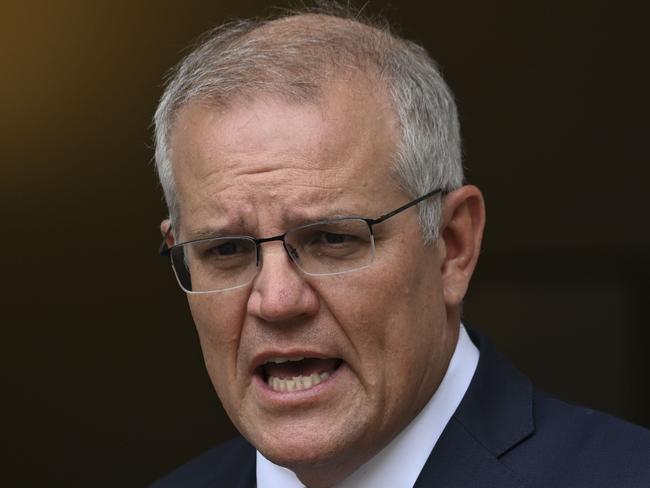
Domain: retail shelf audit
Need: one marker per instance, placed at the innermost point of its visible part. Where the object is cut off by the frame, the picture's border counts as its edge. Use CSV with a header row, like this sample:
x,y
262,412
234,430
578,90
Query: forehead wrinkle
x,y
309,175
304,160
239,203
240,142
219,222
223,212
344,124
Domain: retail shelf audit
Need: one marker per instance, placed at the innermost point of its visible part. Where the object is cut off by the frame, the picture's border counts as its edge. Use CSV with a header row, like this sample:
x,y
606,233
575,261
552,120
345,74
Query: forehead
x,y
267,157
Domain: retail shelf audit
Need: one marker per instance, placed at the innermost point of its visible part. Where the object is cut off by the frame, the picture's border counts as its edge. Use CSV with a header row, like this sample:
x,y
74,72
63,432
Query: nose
x,y
280,291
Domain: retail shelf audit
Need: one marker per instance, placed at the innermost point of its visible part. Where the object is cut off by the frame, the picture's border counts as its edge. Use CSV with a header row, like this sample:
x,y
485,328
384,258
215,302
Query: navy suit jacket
x,y
504,434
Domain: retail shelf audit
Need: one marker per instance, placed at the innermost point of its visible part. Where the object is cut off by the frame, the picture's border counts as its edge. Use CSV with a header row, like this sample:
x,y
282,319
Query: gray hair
x,y
293,57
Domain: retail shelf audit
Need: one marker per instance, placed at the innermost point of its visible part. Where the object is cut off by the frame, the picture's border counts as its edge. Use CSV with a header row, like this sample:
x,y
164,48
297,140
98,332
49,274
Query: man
x,y
321,229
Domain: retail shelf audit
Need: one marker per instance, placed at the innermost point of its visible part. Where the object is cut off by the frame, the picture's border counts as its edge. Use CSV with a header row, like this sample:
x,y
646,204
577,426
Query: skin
x,y
263,166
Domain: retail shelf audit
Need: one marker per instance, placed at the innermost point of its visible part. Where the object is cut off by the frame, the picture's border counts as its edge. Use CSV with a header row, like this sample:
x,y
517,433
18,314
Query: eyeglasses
x,y
330,247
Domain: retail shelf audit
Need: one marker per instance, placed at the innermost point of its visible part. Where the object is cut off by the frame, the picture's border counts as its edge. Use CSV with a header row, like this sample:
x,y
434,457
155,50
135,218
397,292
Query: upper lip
x,y
265,356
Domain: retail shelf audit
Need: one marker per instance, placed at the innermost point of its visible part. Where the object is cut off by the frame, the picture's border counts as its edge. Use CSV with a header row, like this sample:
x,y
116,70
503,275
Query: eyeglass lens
x,y
323,248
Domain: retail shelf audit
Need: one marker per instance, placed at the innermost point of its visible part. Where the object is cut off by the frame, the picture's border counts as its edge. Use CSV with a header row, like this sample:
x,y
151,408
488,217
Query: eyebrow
x,y
291,223
207,232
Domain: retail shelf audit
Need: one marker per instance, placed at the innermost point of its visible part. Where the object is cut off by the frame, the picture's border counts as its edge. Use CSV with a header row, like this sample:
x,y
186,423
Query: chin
x,y
296,449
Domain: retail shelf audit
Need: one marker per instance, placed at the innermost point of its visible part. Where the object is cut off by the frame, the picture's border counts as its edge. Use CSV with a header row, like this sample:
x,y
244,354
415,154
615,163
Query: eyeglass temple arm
x,y
163,249
404,207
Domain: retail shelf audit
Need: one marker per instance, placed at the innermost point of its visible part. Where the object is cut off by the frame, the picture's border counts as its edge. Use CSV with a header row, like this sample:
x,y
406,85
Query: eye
x,y
325,238
337,234
331,238
335,243
226,248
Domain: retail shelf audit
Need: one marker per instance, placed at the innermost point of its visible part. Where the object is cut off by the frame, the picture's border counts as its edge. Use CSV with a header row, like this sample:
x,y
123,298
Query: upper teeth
x,y
297,382
284,360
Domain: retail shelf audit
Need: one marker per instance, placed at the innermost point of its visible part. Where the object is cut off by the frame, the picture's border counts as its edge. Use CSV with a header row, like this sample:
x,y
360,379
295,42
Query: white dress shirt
x,y
398,465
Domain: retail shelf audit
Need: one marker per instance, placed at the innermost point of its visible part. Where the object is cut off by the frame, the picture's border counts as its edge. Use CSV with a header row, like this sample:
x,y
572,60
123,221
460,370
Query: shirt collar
x,y
401,461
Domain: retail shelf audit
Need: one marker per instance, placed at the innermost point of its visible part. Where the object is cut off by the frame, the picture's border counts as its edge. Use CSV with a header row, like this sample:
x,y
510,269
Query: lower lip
x,y
298,397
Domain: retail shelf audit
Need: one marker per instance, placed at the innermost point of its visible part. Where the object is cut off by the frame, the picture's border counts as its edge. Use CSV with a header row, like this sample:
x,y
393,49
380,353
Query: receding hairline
x,y
361,72
357,86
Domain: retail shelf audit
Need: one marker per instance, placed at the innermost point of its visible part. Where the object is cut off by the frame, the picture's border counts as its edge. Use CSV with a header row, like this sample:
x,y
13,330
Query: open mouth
x,y
297,373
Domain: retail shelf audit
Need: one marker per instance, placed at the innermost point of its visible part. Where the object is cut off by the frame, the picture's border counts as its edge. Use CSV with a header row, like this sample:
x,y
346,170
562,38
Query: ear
x,y
463,220
165,230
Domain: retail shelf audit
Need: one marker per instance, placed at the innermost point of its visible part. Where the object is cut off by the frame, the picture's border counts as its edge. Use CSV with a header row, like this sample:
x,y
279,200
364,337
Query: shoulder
x,y
231,464
578,446
567,419
545,441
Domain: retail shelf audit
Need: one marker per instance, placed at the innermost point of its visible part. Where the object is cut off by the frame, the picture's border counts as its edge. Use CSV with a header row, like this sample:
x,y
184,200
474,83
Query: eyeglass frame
x,y
164,250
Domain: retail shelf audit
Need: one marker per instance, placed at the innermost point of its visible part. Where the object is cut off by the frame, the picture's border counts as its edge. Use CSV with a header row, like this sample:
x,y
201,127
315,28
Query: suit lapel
x,y
494,416
459,460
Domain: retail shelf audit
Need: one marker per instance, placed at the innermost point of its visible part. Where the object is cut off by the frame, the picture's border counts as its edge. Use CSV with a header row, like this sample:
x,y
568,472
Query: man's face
x,y
381,333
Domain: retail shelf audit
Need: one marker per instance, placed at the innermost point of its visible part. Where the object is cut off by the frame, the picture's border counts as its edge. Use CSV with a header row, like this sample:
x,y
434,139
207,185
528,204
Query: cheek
x,y
377,309
393,313
218,324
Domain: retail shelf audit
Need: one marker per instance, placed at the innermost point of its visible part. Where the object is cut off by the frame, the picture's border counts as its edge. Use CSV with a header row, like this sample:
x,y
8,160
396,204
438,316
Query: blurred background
x,y
104,383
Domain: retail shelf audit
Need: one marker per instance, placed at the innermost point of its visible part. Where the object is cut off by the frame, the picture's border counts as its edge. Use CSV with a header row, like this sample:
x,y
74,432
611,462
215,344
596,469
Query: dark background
x,y
103,380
